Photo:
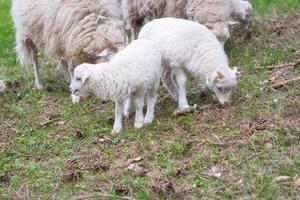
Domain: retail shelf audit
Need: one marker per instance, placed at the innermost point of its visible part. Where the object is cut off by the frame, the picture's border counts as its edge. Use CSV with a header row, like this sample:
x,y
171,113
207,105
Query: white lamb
x,y
132,73
2,87
191,47
74,30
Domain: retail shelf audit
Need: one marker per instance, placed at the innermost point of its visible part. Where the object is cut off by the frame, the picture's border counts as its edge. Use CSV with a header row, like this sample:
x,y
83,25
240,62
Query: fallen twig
x,y
99,195
218,143
296,62
286,82
248,159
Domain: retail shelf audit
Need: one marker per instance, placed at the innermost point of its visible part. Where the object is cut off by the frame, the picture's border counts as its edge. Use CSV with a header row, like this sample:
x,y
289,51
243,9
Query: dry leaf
x,y
215,172
297,182
282,178
102,140
62,122
136,169
138,159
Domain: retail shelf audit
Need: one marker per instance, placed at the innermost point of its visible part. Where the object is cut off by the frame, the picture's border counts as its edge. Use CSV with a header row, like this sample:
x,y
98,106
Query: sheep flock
x,y
168,38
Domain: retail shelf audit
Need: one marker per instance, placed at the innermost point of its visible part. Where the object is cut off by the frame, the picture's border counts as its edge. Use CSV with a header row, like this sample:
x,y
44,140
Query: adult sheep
x,y
74,30
217,15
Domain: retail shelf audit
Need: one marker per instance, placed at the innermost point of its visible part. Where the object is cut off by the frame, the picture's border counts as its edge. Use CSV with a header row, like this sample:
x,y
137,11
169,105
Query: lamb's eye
x,y
78,79
219,88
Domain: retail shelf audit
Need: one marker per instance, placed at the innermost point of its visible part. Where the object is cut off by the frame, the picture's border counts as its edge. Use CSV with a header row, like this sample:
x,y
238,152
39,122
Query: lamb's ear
x,y
220,75
237,72
85,76
231,23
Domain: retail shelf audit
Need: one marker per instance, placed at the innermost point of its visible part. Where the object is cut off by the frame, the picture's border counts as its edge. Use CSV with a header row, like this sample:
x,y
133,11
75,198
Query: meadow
x,y
52,149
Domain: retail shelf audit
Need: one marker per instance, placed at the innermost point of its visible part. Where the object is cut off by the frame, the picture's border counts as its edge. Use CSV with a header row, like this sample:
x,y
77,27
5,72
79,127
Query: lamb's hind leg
x,y
138,102
169,83
151,101
34,58
119,107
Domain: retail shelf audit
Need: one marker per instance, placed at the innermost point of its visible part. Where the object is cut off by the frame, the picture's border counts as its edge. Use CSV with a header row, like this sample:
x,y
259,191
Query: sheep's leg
x,y
66,70
181,81
138,102
119,107
151,101
34,58
169,83
71,69
128,106
134,33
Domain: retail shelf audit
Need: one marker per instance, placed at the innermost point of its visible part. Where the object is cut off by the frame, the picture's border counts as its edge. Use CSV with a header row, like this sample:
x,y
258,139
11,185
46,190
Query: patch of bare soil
x,y
164,186
87,159
219,172
291,123
212,115
14,86
49,108
280,29
7,127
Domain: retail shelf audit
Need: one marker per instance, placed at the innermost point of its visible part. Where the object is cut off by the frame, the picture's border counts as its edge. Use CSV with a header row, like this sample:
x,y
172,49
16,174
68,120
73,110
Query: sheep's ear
x,y
237,72
231,23
104,53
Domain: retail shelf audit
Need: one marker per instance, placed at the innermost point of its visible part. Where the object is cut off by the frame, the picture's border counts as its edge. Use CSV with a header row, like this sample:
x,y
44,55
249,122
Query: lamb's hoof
x,y
75,99
38,86
138,125
116,130
148,121
183,111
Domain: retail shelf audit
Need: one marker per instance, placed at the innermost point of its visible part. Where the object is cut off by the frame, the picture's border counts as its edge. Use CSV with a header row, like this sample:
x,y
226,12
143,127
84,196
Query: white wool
x,y
215,14
75,31
2,87
189,46
132,73
133,69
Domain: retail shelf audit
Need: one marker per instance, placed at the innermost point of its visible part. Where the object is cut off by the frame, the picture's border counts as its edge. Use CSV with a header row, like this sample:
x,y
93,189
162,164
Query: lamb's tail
x,y
23,49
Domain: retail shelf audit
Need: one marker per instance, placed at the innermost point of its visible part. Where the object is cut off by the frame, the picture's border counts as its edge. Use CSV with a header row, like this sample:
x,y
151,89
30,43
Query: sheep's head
x,y
115,38
222,84
244,14
220,29
78,83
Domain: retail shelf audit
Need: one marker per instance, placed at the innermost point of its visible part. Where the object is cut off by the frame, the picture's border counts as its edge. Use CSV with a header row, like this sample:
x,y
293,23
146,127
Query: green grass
x,y
214,153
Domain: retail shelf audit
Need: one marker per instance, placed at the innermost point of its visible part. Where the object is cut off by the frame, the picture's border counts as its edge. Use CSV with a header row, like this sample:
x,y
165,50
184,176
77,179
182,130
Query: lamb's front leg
x,y
119,108
139,115
181,82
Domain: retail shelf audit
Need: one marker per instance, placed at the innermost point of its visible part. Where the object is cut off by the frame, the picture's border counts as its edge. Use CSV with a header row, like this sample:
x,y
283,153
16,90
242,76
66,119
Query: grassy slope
x,y
40,132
